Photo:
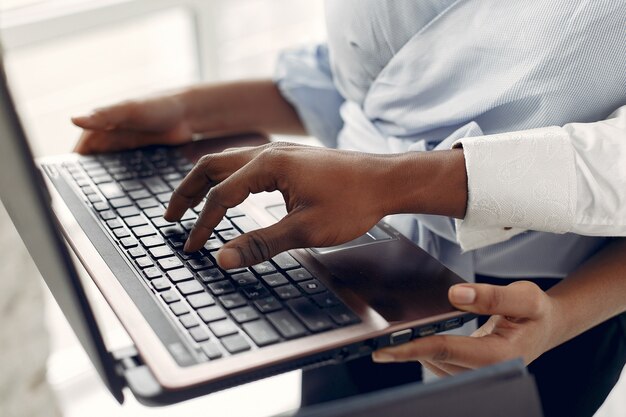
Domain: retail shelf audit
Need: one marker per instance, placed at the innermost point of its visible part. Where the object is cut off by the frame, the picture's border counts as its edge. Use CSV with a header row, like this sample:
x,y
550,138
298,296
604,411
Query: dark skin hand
x,y
332,196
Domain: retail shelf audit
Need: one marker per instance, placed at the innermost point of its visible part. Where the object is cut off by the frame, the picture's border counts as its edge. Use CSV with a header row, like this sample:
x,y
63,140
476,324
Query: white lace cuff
x,y
517,181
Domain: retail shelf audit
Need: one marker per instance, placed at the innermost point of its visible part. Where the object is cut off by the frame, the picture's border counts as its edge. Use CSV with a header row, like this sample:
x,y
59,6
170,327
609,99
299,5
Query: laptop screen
x,y
26,199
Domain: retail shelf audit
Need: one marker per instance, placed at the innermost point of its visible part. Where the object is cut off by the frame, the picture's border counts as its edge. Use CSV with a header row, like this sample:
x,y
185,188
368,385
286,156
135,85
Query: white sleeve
x,y
553,179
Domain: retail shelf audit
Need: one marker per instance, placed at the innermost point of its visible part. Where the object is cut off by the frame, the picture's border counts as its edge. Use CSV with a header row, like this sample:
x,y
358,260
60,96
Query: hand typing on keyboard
x,y
332,196
322,210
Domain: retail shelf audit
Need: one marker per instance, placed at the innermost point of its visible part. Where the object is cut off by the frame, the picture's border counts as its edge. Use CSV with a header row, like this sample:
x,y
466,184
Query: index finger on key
x,y
208,171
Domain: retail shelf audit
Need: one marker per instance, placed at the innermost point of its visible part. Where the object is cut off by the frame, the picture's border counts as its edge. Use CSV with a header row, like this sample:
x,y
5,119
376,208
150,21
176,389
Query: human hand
x,y
331,196
134,123
211,110
522,324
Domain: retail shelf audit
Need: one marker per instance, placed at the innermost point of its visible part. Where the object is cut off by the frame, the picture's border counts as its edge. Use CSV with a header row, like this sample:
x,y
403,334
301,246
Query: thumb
x,y
262,244
521,299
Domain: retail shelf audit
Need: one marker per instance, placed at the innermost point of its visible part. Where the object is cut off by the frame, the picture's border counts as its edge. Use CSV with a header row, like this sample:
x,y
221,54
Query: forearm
x,y
240,106
427,183
590,295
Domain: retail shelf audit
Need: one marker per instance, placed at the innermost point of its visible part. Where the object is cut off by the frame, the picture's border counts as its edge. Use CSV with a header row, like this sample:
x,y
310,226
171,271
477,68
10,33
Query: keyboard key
x,y
190,255
179,275
107,215
177,242
128,242
211,350
128,211
164,198
234,212
114,224
160,252
100,179
342,316
211,275
170,296
212,313
144,262
136,252
143,231
111,190
161,284
154,212
121,232
232,300
221,287
94,198
131,185
223,225
245,224
170,263
235,343
213,244
139,194
313,318
101,206
179,308
261,333
152,241
264,268
189,215
227,235
120,202
200,300
199,264
156,185
174,230
135,221
161,222
285,261
199,334
312,286
121,176
87,190
152,273
244,278
189,287
286,324
299,274
325,300
223,328
243,314
188,225
255,291
287,291
147,203
267,304
274,280
173,176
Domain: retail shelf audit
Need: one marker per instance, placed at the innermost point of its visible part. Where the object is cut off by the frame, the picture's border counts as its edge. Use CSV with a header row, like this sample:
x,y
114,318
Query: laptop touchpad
x,y
374,235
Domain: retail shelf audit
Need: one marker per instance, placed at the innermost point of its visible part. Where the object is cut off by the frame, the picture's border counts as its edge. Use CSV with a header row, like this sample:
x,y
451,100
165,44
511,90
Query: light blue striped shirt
x,y
407,75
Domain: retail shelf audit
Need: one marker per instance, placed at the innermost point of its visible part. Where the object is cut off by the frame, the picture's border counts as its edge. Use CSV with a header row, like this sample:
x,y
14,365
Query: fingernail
x,y
462,295
228,258
383,357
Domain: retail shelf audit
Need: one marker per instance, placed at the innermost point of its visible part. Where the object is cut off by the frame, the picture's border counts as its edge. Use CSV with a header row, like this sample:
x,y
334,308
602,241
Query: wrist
x,y
427,183
238,107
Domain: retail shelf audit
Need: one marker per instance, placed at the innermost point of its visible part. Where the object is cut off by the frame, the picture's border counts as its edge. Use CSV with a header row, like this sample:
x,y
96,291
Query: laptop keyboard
x,y
224,312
